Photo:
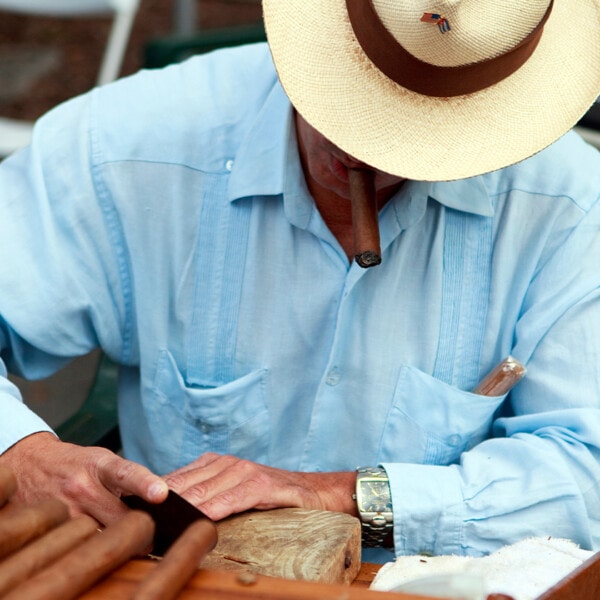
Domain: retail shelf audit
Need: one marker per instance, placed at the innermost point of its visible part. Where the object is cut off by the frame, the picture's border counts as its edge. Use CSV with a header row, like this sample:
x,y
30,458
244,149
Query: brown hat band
x,y
398,64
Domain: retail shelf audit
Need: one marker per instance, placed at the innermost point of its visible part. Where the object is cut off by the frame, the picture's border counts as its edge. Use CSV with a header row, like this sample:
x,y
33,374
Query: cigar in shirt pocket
x,y
502,378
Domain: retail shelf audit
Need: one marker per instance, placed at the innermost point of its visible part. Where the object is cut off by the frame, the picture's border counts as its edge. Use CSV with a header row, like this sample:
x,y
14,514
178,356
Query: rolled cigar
x,y
45,550
21,524
501,378
8,484
365,224
179,563
79,569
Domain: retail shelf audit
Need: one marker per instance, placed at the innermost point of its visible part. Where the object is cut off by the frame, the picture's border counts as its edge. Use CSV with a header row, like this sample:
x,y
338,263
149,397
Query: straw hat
x,y
438,89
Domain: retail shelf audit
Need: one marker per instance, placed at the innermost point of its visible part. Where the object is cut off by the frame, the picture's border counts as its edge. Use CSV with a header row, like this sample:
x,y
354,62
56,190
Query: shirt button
x,y
454,440
229,165
333,377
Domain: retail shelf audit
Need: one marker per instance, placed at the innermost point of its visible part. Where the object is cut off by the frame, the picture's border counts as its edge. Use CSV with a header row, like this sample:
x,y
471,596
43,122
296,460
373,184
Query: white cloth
x,y
523,570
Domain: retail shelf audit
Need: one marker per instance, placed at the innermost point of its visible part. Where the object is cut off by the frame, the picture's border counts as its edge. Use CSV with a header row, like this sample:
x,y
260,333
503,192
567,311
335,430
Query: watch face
x,y
374,496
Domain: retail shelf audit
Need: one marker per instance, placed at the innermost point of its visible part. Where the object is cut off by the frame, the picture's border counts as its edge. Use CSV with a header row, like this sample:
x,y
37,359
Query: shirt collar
x,y
467,195
259,166
267,164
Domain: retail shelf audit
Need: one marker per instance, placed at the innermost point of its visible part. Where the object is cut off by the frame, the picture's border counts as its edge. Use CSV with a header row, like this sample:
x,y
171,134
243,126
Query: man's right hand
x,y
88,480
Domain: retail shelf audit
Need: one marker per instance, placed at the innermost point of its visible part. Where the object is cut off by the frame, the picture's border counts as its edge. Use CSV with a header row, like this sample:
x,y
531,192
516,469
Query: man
x,y
199,229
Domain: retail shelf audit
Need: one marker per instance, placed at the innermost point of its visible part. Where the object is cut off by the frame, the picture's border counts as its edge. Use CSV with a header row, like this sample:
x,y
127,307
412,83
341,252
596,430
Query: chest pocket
x,y
215,407
231,418
432,422
432,419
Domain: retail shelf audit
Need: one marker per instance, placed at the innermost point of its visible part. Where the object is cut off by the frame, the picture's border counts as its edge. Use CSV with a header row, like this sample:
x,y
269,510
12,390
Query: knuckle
x,y
77,486
207,458
196,494
124,471
224,504
230,498
101,458
245,468
262,479
176,482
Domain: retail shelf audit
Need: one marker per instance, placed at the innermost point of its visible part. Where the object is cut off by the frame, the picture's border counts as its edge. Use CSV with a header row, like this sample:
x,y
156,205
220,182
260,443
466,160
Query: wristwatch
x,y
374,502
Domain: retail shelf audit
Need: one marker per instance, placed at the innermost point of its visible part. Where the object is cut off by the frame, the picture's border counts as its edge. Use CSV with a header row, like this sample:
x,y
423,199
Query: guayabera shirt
x,y
165,218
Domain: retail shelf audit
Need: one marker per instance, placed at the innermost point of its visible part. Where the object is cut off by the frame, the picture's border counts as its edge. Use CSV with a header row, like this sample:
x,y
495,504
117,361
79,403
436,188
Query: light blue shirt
x,y
166,219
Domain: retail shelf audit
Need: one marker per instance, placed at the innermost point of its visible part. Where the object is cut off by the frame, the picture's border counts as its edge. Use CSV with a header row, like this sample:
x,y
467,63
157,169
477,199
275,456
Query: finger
x,y
206,467
102,505
242,497
202,461
121,477
236,486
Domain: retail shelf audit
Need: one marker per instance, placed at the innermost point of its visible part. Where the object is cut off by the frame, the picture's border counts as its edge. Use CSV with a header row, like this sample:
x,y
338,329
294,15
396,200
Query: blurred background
x,y
45,60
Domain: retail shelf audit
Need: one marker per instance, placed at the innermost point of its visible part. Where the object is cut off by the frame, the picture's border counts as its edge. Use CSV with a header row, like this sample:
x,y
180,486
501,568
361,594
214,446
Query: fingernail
x,y
158,489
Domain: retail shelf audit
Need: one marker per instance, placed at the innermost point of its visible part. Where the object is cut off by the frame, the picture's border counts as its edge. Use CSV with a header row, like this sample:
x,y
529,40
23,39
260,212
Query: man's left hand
x,y
221,485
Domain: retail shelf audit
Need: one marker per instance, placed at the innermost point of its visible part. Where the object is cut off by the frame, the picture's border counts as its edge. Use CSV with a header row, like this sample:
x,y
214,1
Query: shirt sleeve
x,y
61,284
22,420
539,473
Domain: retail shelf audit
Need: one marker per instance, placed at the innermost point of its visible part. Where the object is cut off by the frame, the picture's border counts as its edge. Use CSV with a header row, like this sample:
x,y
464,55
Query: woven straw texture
x,y
336,88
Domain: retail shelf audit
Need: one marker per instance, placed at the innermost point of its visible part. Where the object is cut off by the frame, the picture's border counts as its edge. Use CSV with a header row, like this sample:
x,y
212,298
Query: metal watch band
x,y
376,528
374,536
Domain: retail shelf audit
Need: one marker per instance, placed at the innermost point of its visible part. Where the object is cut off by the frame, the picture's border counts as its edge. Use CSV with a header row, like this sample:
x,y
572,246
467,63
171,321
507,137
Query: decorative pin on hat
x,y
441,22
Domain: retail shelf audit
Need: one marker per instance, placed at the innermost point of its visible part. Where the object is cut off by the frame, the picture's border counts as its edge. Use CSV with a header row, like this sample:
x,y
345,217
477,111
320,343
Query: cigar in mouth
x,y
365,226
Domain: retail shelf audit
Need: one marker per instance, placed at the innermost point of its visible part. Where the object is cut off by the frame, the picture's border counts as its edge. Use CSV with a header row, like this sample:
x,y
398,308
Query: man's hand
x,y
221,485
87,480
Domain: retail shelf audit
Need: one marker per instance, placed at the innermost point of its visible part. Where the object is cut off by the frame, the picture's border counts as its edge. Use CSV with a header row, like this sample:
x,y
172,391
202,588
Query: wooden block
x,y
289,543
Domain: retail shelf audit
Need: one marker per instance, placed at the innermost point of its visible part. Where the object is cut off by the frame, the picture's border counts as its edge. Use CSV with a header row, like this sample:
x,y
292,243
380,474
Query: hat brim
x,y
335,87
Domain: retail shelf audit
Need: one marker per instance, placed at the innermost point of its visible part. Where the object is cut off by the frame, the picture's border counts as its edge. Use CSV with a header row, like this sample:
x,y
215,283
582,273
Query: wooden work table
x,y
582,584
224,585
283,554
